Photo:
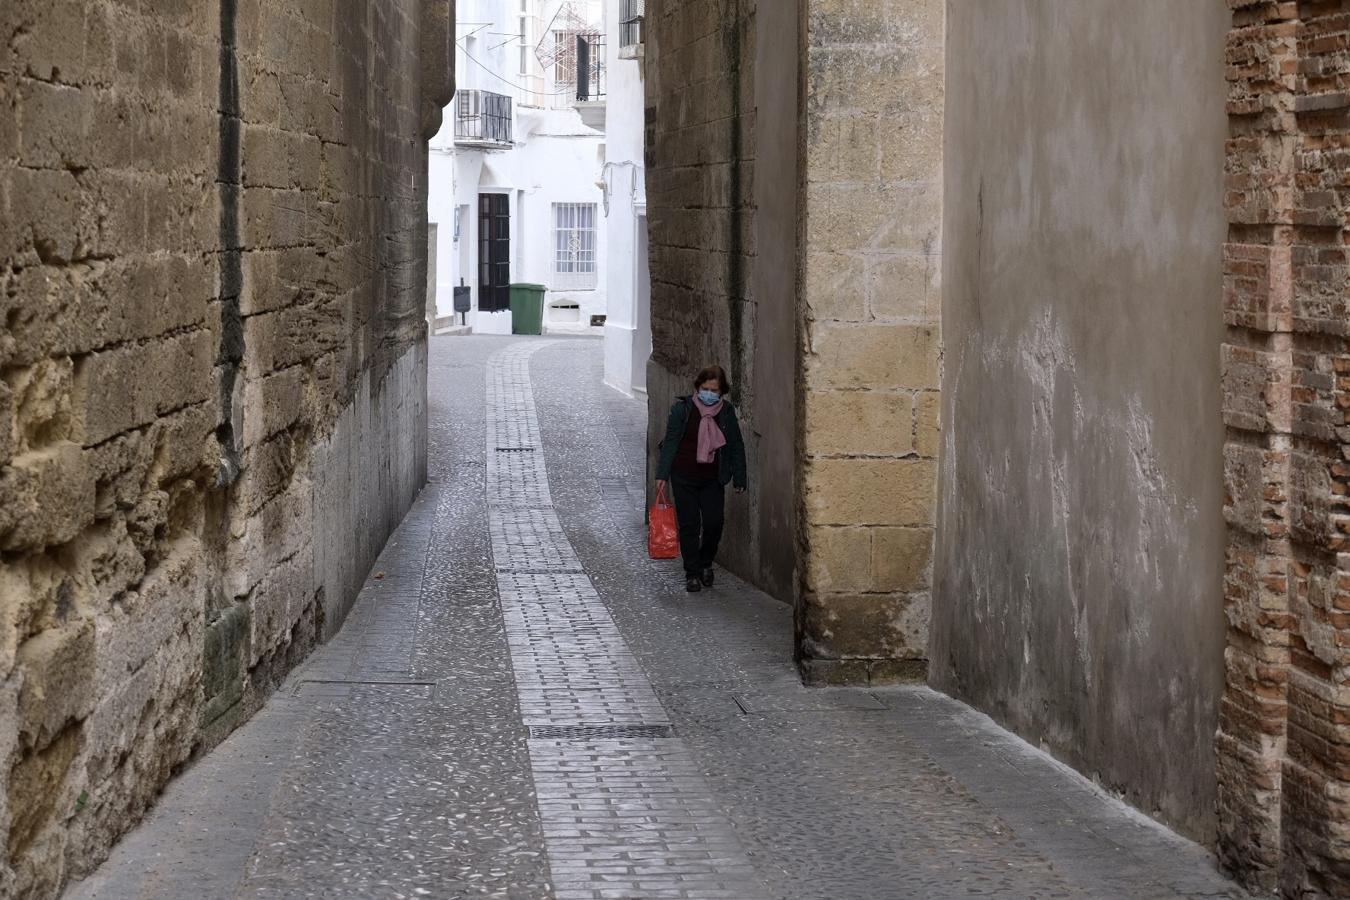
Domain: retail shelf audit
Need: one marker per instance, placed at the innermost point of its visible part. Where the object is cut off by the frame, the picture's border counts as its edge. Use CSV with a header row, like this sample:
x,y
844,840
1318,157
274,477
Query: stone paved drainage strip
x,y
624,810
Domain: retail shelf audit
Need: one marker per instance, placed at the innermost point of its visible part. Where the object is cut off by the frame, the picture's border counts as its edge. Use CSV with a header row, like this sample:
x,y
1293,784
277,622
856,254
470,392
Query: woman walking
x,y
701,454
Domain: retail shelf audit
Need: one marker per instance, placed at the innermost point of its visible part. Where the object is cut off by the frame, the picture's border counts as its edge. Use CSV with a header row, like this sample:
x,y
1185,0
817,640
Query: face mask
x,y
709,398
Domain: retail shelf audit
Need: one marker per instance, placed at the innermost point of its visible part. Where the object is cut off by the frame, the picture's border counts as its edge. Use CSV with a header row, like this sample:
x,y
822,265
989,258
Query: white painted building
x,y
628,337
515,171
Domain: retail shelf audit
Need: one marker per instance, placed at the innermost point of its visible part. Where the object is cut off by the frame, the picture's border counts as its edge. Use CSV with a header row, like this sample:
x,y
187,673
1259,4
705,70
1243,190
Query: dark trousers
x,y
700,509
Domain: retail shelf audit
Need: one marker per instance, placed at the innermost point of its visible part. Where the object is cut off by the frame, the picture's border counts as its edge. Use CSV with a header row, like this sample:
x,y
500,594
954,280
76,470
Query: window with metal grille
x,y
566,69
482,116
630,22
574,262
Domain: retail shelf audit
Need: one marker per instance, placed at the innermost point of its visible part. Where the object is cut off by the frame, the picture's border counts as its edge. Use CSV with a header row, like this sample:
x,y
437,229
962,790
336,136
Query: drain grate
x,y
599,732
339,688
561,570
515,449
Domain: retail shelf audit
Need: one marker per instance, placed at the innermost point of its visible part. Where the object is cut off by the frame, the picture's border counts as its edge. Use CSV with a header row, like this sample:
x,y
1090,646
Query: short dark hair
x,y
708,373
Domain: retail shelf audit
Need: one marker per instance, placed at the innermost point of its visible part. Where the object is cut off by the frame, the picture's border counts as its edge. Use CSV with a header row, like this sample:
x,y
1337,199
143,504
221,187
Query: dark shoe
x,y
692,585
707,577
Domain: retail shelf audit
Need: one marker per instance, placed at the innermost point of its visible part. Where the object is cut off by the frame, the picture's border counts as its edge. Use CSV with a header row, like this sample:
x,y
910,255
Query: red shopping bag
x,y
663,536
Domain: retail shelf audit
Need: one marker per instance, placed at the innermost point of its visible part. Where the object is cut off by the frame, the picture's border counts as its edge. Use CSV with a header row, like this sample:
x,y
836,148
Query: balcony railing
x,y
630,23
580,67
482,118
590,69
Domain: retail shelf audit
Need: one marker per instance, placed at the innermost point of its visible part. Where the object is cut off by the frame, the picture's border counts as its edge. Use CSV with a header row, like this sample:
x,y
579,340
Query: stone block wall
x,y
700,163
870,346
795,206
212,375
1284,729
1104,354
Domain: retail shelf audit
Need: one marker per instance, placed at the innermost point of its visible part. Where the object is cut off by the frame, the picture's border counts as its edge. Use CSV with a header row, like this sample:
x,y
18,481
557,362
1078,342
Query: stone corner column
x,y
1256,360
871,123
438,62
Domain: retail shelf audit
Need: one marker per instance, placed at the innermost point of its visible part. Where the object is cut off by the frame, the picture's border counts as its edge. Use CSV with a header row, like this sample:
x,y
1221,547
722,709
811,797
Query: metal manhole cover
x,y
599,732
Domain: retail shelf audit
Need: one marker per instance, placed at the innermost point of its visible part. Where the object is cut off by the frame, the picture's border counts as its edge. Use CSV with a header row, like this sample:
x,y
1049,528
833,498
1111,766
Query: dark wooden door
x,y
494,252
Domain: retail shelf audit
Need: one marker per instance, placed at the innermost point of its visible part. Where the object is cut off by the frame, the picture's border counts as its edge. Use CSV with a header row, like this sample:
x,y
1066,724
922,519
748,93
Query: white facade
x,y
628,339
541,159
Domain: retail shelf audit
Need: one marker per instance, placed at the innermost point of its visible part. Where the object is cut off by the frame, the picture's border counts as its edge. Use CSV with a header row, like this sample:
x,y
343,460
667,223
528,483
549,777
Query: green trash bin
x,y
527,308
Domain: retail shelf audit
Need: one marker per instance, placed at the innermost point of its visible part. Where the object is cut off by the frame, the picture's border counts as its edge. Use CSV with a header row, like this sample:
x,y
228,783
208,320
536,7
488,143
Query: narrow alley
x,y
522,705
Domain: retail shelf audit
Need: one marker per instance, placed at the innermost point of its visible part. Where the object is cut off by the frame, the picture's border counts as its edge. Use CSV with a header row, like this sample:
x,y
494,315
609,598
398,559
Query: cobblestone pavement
x,y
522,705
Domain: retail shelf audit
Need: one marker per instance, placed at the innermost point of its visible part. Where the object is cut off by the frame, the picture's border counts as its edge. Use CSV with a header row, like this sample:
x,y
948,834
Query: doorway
x,y
642,318
494,252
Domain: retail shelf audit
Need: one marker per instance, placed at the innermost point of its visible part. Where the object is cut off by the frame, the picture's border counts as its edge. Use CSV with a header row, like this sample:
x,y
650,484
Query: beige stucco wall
x,y
1077,588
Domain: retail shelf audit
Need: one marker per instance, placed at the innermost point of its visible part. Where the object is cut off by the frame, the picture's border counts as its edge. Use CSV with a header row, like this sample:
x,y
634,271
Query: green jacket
x,y
730,459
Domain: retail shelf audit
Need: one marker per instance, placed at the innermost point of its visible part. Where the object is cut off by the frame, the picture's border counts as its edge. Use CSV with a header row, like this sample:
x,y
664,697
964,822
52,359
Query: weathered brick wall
x,y
1284,740
212,375
870,342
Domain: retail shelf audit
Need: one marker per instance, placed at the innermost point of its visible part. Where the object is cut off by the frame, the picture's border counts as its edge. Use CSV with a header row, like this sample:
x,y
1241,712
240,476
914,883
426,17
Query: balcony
x,y
588,74
482,119
581,70
631,13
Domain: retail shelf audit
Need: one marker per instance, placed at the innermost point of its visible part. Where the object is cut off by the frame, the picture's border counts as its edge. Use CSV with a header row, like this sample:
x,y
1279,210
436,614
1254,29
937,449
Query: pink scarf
x,y
710,437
